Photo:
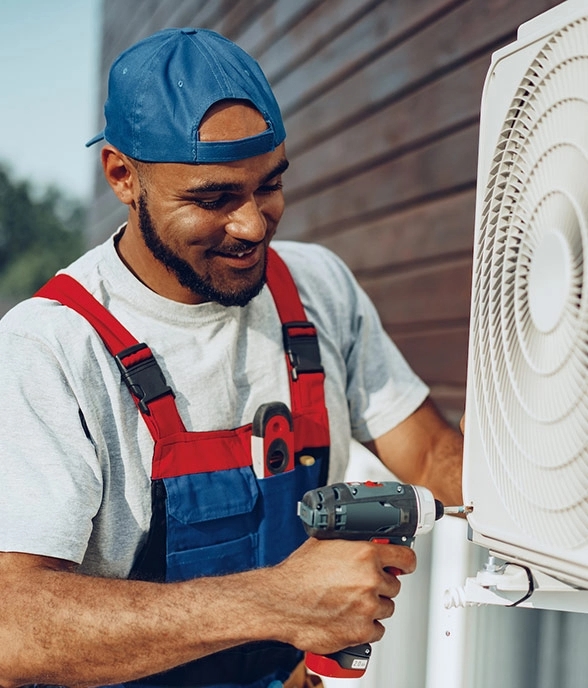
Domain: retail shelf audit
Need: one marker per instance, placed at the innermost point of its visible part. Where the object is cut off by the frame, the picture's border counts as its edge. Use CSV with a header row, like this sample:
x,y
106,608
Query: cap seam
x,y
148,72
215,67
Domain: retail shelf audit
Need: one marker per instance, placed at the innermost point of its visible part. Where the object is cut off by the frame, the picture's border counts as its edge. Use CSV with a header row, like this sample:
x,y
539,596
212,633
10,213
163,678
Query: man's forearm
x,y
64,628
424,450
59,627
444,477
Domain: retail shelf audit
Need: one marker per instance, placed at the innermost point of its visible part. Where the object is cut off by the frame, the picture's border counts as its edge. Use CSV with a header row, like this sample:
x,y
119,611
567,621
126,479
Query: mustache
x,y
236,248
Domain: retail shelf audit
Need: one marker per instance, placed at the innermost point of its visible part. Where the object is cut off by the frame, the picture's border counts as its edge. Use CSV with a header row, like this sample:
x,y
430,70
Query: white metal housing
x,y
526,432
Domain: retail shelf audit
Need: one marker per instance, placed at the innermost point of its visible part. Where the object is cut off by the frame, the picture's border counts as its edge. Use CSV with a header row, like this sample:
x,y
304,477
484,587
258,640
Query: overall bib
x,y
211,513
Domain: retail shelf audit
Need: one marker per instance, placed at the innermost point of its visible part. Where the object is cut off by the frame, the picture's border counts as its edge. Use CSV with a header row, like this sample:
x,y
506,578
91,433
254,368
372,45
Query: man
x,y
145,529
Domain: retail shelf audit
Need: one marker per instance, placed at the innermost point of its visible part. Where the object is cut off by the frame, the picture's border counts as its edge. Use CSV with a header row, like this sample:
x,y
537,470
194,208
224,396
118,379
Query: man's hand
x,y
335,592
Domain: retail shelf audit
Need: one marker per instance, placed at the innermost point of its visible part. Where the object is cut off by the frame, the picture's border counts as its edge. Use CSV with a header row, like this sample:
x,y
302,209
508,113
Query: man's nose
x,y
247,222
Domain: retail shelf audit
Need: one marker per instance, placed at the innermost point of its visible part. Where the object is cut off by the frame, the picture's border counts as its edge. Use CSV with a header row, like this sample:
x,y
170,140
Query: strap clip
x,y
142,375
302,348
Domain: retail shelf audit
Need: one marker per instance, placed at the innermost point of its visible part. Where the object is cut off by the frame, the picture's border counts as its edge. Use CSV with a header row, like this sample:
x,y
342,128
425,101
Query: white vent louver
x,y
526,461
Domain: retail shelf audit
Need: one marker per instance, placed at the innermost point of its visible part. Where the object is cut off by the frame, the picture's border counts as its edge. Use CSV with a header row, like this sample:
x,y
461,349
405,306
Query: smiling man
x,y
209,225
147,534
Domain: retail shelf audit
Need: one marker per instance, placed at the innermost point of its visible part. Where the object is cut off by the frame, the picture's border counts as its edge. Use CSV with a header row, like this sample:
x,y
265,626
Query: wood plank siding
x,y
381,101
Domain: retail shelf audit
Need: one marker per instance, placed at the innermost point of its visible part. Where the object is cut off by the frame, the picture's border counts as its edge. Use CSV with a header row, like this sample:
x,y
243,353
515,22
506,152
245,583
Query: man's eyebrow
x,y
279,169
208,187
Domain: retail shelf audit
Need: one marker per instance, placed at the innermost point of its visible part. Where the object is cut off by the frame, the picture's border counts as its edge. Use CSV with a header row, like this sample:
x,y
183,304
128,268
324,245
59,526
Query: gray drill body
x,y
389,511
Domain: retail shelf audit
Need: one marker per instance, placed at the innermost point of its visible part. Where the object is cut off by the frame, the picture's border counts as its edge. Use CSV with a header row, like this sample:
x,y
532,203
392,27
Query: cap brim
x,y
95,139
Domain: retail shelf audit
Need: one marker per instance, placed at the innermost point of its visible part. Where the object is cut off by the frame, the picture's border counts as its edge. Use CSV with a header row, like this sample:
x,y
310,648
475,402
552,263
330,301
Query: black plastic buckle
x,y
302,349
144,378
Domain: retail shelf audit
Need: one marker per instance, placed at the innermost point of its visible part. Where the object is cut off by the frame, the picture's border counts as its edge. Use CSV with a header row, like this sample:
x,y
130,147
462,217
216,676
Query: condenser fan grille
x,y
529,316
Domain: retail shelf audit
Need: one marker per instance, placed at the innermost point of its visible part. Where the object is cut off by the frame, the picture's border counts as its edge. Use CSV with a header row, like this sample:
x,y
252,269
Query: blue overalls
x,y
211,514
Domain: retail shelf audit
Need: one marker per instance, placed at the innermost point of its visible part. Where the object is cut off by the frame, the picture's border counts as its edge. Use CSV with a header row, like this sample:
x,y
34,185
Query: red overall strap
x,y
306,373
138,367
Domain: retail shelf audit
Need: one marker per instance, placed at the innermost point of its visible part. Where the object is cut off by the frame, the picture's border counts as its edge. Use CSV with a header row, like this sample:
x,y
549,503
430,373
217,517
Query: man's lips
x,y
243,257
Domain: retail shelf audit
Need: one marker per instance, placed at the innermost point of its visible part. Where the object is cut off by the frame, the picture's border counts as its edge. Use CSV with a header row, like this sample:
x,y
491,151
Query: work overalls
x,y
211,514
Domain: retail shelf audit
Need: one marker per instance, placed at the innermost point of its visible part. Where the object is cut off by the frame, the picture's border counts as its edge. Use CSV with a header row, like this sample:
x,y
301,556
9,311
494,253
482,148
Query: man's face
x,y
201,232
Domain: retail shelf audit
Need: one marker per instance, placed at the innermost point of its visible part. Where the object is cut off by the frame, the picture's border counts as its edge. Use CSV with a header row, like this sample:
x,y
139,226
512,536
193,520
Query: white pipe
x,y
446,643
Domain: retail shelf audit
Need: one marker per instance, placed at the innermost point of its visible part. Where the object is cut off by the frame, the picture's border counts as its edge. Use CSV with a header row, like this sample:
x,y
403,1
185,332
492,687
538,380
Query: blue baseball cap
x,y
160,89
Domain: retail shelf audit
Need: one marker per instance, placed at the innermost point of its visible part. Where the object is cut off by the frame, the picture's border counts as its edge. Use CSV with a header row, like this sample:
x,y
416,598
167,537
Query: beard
x,y
200,285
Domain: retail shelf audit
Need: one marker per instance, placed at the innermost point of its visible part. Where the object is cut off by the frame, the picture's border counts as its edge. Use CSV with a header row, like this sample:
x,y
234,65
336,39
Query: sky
x,y
49,55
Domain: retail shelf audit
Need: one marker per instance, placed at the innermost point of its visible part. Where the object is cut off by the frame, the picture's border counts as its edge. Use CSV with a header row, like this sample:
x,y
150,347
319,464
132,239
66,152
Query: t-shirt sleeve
x,y
382,389
51,486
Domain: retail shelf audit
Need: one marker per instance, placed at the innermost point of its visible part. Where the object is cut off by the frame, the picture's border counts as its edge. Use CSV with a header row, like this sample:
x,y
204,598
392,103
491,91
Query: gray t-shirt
x,y
83,494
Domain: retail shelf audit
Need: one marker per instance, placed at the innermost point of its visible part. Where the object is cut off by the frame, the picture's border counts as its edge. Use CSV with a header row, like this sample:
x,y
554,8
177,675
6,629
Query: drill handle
x,y
351,662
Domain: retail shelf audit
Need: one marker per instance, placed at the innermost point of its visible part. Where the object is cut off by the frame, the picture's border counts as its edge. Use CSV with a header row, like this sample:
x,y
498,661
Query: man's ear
x,y
120,174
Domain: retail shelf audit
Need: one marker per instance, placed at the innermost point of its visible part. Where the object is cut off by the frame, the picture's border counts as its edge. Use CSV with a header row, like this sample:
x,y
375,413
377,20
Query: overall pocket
x,y
281,531
212,523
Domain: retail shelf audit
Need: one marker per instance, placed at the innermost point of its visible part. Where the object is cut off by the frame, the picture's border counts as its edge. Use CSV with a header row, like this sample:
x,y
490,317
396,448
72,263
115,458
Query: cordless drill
x,y
387,512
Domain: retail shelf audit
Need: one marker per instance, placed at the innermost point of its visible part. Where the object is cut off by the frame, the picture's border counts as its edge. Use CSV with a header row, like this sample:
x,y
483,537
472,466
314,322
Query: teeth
x,y
240,254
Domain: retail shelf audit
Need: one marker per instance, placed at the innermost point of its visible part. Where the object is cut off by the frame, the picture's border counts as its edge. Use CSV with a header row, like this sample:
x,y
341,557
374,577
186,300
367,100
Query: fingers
x,y
342,591
396,559
387,609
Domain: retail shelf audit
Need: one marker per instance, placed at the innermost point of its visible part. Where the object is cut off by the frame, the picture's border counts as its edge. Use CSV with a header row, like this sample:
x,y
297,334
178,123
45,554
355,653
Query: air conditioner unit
x,y
526,431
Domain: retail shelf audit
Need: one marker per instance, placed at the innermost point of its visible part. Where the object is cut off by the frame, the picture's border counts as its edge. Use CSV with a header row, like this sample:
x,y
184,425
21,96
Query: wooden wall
x,y
381,102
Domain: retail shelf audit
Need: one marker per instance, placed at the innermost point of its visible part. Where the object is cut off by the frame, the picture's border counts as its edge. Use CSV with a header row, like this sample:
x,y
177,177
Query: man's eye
x,y
213,204
269,188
